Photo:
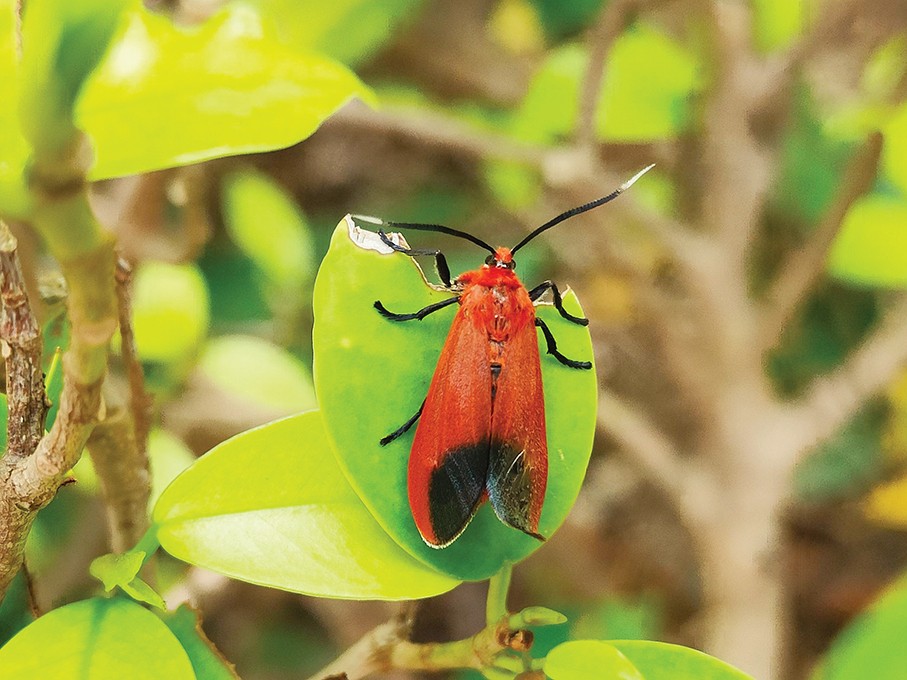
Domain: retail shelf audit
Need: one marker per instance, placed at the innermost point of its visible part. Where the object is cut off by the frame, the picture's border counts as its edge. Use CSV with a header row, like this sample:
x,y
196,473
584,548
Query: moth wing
x,y
448,465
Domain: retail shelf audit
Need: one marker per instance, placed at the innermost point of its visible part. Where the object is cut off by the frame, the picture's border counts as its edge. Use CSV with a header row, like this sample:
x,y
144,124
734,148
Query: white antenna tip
x,y
630,182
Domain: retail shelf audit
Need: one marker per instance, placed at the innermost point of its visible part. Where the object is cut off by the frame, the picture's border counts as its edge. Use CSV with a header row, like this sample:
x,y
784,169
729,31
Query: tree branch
x,y
833,399
22,349
806,266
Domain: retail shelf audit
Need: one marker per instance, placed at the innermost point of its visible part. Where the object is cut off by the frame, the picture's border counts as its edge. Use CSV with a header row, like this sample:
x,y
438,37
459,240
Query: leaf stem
x,y
496,602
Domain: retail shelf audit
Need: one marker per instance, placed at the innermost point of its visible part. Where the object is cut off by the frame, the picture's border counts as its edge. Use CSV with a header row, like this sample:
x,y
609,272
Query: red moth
x,y
482,430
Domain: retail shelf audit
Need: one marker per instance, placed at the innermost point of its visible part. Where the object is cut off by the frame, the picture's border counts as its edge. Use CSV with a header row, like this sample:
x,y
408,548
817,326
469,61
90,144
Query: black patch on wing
x,y
456,489
510,487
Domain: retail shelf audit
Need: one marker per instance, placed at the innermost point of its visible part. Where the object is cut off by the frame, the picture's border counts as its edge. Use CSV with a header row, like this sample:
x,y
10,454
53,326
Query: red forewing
x,y
518,460
448,465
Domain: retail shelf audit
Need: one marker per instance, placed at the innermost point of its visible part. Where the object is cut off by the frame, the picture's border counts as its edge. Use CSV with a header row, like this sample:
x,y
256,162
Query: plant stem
x,y
496,602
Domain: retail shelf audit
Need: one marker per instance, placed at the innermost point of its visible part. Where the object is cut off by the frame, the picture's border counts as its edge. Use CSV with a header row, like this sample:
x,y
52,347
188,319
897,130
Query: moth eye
x,y
489,260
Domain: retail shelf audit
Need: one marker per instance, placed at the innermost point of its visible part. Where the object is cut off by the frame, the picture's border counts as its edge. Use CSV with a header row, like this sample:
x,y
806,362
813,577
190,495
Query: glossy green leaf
x,y
586,659
170,311
258,371
348,30
872,645
207,662
13,147
97,638
167,96
265,223
271,506
62,42
871,248
371,375
663,661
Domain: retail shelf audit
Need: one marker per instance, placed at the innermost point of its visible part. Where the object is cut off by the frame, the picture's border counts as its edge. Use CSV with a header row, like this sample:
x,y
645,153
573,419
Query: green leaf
x,y
270,506
113,570
585,659
122,571
663,661
372,374
348,30
872,645
265,223
97,638
14,149
255,370
170,311
207,661
894,153
168,96
62,42
777,22
871,248
648,85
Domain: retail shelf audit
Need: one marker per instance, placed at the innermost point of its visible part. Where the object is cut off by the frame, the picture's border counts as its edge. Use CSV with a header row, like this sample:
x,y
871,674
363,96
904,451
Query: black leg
x,y
440,261
400,431
540,289
421,314
552,348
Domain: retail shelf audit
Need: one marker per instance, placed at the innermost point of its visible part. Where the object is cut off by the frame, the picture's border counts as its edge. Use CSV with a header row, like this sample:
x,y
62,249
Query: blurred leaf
x,y
814,157
53,385
62,42
871,248
648,84
894,435
845,464
887,504
619,618
167,96
270,506
894,153
170,311
777,22
13,147
97,638
169,456
515,26
663,661
586,659
207,662
258,371
348,30
265,223
360,356
561,19
15,612
872,644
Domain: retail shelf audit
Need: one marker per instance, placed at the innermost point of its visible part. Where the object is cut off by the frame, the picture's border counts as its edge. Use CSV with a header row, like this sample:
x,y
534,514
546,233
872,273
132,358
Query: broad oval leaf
x,y
585,659
97,638
664,661
371,375
872,646
259,372
167,96
271,506
871,248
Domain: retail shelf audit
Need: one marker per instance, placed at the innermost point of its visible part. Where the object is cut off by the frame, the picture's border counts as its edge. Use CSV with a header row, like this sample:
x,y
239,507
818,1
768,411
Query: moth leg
x,y
540,289
552,348
440,261
421,314
403,429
